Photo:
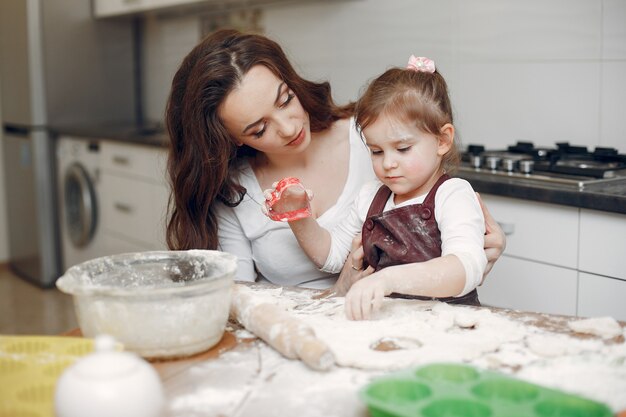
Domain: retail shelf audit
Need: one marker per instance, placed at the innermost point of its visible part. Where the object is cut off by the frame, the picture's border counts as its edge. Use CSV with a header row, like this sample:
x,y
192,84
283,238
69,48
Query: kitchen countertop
x,y
151,134
610,196
243,376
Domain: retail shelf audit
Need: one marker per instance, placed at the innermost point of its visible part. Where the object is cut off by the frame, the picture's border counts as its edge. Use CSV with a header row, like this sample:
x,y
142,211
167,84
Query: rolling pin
x,y
285,333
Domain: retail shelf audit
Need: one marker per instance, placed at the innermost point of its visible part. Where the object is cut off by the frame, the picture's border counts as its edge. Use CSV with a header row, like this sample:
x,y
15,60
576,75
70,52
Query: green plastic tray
x,y
453,390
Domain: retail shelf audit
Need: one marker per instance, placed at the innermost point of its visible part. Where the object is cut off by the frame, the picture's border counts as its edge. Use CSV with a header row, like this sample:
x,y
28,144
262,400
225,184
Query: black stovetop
x,y
564,158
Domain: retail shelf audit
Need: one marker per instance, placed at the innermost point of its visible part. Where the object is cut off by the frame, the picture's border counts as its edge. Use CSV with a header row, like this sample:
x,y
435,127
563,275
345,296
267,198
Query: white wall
x,y
545,71
540,70
167,43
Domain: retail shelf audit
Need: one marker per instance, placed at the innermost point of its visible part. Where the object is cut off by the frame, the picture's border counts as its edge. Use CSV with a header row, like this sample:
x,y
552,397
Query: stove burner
x,y
563,162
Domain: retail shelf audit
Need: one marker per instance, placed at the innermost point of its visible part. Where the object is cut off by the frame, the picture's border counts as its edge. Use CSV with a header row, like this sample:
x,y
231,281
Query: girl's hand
x,y
287,200
366,295
495,240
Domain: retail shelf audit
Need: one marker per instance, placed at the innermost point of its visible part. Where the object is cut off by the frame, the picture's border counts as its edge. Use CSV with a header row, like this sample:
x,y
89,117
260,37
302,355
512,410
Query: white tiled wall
x,y
529,31
168,41
613,103
544,102
614,29
539,70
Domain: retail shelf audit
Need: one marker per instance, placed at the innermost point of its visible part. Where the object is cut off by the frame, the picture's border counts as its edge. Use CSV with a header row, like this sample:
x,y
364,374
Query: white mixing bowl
x,y
160,304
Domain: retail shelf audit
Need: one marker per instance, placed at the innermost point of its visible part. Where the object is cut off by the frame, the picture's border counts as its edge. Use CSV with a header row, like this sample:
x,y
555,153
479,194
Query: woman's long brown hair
x,y
203,158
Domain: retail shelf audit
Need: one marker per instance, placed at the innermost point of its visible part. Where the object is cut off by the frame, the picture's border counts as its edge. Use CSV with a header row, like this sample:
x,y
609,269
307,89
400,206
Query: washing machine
x,y
78,164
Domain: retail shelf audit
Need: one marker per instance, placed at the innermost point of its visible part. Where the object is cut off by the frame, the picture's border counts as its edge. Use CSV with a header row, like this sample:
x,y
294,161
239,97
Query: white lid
x,y
109,383
106,362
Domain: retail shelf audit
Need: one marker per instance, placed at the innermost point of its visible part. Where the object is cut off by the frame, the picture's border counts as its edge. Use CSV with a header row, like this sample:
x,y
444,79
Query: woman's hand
x,y
366,295
495,240
352,270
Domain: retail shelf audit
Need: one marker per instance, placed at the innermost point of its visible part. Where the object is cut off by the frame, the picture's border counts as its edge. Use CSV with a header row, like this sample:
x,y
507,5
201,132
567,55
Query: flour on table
x,y
243,384
553,345
605,327
418,331
408,333
333,393
600,376
432,328
242,334
216,388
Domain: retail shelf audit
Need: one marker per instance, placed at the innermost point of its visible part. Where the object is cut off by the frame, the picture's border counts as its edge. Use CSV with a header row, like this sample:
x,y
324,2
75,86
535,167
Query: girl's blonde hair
x,y
412,96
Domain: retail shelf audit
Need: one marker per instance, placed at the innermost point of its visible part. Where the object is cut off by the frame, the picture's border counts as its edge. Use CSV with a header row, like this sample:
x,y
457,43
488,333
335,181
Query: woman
x,y
240,118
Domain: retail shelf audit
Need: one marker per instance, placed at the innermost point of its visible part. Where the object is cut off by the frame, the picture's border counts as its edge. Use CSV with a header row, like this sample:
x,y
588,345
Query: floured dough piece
x,y
605,327
465,320
287,216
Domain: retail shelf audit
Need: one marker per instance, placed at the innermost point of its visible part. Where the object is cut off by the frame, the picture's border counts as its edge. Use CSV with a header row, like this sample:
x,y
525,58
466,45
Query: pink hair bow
x,y
421,63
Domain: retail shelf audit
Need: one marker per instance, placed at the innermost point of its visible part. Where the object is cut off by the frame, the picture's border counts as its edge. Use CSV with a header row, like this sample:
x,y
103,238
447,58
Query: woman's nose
x,y
287,127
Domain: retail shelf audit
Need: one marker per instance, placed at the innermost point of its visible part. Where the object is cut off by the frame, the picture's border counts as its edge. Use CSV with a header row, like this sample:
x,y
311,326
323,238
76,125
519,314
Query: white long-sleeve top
x,y
270,248
459,218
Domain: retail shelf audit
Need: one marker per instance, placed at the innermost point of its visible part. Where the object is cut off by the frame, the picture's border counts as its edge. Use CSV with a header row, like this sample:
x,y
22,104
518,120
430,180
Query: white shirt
x,y
270,247
459,218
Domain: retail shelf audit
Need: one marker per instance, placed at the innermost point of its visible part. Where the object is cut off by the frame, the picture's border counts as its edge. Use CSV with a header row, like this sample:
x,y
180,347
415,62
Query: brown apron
x,y
405,235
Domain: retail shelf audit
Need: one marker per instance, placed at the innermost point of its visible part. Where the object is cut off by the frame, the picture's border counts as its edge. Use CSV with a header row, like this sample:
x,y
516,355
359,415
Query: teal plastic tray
x,y
453,390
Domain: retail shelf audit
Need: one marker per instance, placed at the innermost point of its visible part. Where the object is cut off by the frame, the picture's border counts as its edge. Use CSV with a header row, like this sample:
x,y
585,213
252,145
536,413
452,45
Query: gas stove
x,y
564,165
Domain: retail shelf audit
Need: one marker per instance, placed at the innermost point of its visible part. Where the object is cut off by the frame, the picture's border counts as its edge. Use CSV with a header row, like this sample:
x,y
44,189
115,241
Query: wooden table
x,y
242,376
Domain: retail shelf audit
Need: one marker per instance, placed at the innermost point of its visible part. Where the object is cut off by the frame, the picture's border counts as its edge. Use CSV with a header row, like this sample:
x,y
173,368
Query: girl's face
x,y
264,113
406,159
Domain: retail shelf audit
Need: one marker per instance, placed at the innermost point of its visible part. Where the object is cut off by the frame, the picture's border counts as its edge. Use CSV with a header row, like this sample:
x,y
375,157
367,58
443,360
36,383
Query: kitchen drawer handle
x,y
124,208
121,160
507,228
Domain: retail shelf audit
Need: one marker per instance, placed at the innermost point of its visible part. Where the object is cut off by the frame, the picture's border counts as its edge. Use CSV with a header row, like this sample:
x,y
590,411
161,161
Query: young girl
x,y
422,231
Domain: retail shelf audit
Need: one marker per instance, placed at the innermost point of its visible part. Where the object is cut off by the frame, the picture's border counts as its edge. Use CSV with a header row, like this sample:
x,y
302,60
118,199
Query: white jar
x,y
109,383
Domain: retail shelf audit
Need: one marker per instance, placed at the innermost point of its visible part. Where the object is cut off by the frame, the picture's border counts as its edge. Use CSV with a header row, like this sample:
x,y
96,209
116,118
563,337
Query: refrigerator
x,y
58,67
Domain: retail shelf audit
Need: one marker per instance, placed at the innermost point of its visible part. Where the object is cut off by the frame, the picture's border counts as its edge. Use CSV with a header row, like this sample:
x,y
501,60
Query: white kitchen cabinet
x,y
134,195
107,8
530,286
558,259
112,245
538,270
601,296
537,231
602,243
131,160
